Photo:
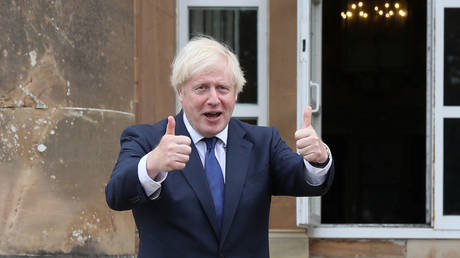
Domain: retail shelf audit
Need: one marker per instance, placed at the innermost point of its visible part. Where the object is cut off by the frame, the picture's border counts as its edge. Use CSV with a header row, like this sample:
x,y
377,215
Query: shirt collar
x,y
196,137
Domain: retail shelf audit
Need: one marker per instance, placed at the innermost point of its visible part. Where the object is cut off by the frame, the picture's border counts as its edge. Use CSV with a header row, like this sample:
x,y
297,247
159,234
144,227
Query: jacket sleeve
x,y
124,190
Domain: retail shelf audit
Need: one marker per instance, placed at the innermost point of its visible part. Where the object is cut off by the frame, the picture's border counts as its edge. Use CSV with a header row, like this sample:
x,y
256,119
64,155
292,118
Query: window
x,y
242,26
447,116
392,124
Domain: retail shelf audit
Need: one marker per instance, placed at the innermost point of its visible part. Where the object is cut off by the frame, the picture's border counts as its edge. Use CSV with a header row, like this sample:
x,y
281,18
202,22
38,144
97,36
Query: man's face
x,y
208,99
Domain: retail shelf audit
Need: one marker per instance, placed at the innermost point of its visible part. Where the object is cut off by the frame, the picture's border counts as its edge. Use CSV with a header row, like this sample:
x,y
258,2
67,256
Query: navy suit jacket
x,y
182,222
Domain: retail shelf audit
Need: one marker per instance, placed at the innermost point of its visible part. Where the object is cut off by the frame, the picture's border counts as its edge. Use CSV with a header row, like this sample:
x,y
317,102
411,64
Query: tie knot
x,y
210,143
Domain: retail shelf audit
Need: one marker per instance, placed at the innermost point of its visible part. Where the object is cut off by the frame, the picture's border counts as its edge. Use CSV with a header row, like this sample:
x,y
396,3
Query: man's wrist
x,y
151,170
323,164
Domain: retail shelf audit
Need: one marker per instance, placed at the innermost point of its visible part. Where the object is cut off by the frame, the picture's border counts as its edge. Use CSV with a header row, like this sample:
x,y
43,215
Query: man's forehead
x,y
207,80
212,72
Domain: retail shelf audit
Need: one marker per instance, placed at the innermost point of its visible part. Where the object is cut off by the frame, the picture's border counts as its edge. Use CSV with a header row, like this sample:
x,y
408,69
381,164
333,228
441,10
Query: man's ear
x,y
180,94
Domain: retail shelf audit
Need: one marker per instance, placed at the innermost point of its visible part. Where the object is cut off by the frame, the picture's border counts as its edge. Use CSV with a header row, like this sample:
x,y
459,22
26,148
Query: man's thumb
x,y
171,127
307,117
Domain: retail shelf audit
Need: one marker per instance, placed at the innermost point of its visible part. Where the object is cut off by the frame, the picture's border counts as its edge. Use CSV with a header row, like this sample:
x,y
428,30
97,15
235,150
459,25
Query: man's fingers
x,y
303,133
309,141
182,158
171,127
307,150
178,165
313,152
302,143
307,117
183,149
181,139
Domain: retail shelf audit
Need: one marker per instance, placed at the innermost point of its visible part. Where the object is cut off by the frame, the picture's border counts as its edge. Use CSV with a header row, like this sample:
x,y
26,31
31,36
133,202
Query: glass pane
x,y
236,27
452,57
374,109
451,166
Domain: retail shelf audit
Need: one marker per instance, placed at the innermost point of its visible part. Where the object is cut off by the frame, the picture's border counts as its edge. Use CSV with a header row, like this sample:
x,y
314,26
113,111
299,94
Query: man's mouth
x,y
212,114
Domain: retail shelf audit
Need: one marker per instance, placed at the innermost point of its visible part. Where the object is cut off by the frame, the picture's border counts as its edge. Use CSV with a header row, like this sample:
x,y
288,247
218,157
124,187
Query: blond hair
x,y
199,54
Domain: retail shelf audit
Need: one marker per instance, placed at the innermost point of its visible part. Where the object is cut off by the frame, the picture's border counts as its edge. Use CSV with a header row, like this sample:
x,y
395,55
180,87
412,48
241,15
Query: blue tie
x,y
215,178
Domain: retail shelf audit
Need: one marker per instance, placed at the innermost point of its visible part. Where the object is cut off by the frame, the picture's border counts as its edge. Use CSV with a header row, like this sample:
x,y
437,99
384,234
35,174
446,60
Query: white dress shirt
x,y
152,187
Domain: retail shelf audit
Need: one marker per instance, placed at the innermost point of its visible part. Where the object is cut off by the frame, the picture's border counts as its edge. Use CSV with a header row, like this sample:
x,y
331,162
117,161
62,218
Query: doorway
x,y
374,112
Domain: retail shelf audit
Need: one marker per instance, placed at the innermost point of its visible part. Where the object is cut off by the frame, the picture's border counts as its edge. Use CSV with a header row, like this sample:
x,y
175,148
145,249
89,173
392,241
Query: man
x,y
200,183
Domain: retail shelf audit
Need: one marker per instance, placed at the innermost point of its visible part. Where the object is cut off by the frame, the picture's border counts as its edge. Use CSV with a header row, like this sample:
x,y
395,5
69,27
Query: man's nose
x,y
213,98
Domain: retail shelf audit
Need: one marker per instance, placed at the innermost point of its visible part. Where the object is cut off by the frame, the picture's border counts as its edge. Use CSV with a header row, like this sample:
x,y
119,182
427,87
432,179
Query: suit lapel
x,y
195,176
238,156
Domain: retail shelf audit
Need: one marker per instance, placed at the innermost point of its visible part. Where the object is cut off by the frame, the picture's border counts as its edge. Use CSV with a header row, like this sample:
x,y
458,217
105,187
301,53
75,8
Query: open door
x,y
362,68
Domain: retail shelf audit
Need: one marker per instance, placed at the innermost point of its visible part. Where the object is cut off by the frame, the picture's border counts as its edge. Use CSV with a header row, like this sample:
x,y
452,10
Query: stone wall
x,y
66,93
391,248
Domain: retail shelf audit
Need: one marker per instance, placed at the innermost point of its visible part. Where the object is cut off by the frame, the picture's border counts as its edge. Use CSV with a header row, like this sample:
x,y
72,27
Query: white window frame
x,y
309,209
441,112
242,110
308,75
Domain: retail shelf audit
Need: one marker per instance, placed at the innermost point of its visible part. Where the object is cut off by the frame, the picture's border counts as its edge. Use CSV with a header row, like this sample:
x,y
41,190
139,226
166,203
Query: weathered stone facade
x,y
66,93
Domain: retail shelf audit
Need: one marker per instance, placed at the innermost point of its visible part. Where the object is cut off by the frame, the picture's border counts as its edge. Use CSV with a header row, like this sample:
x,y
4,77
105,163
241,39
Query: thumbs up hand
x,y
172,153
308,143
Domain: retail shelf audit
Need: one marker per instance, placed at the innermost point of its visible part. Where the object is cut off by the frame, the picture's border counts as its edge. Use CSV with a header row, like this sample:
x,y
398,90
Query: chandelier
x,y
361,10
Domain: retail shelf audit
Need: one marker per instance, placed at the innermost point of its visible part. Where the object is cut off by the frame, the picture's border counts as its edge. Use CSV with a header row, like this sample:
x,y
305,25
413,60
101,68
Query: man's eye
x,y
223,88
